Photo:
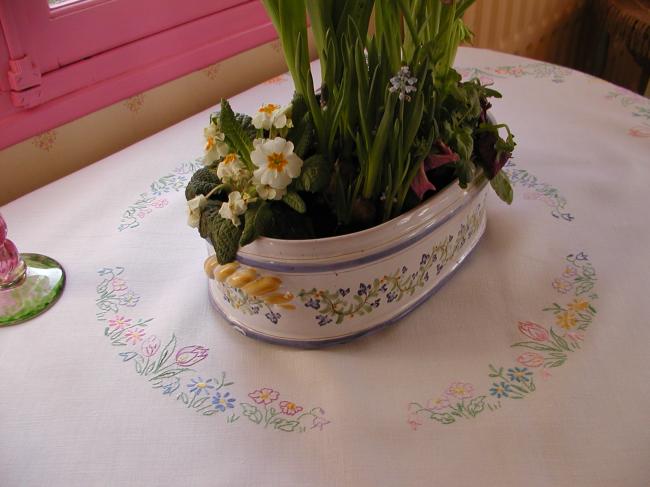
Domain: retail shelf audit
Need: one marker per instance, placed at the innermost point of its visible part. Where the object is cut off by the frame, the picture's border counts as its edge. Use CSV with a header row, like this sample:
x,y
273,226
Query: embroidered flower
x,y
575,336
170,388
223,402
438,404
403,83
264,396
319,420
289,408
271,115
569,271
188,356
231,168
519,374
267,192
460,390
198,385
118,284
134,335
531,359
276,162
119,322
565,319
533,330
194,208
562,286
215,147
578,305
500,390
150,346
235,206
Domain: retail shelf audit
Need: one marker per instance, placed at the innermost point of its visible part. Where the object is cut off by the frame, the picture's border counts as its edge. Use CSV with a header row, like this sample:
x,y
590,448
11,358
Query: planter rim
x,y
343,251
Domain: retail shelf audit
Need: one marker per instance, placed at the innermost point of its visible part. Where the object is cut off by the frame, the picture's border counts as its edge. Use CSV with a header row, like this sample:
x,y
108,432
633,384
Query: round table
x,y
529,367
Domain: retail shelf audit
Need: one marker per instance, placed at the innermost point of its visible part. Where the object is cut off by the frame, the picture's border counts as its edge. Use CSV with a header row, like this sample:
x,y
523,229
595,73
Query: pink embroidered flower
x,y
159,203
414,422
150,346
134,335
576,336
119,322
640,131
264,396
460,390
534,331
546,374
191,355
531,359
562,286
438,404
289,408
570,271
118,284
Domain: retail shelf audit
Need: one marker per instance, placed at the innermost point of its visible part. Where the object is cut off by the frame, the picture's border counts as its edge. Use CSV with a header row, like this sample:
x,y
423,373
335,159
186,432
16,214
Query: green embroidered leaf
x,y
236,136
476,405
166,352
501,185
315,174
286,425
252,412
561,342
294,201
584,287
226,242
444,418
536,346
202,182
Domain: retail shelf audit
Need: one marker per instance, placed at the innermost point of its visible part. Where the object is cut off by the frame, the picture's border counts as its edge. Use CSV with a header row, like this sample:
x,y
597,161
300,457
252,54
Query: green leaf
x,y
501,185
210,219
294,201
315,175
235,134
202,182
444,418
285,425
256,221
252,412
226,242
476,405
302,135
535,346
246,124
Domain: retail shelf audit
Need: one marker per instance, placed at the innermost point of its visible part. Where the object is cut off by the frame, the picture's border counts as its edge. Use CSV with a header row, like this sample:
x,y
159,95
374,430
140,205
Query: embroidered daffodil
x,y
194,207
276,162
565,319
578,305
235,206
231,168
271,115
215,147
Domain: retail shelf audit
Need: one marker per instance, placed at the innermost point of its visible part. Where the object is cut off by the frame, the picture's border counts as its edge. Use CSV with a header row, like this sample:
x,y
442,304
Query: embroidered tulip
x,y
235,206
231,168
215,147
191,355
276,162
531,359
194,208
150,346
533,331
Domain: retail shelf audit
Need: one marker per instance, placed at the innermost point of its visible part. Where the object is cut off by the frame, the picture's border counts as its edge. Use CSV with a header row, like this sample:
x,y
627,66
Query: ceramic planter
x,y
309,293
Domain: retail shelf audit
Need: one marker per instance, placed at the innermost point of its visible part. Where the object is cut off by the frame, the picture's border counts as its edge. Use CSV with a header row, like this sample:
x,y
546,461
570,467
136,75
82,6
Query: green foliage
x,y
502,187
236,136
226,241
315,175
202,182
294,201
257,220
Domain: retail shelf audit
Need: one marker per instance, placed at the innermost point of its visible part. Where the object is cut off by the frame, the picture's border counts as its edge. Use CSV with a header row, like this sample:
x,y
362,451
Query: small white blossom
x,y
271,115
231,168
267,192
194,207
403,83
215,147
276,162
235,206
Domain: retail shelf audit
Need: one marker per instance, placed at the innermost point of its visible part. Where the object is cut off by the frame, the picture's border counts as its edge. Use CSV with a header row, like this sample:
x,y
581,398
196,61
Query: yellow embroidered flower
x,y
566,319
578,305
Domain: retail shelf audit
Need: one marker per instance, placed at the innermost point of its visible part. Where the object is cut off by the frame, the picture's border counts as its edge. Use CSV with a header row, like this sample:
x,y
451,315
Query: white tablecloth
x,y
530,367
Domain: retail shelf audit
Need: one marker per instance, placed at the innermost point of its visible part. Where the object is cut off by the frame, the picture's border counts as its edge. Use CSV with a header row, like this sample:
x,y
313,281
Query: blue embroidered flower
x,y
500,390
170,388
363,289
273,317
323,320
221,403
198,385
313,303
519,374
391,296
375,303
581,256
344,292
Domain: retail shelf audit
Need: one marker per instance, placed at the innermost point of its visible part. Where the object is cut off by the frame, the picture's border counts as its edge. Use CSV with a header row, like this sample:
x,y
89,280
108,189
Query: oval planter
x,y
310,293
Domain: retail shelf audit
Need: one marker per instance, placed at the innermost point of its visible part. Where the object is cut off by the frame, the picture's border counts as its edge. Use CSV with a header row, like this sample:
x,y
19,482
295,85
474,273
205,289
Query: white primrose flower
x,y
271,115
215,147
276,162
403,83
267,192
194,208
231,168
235,206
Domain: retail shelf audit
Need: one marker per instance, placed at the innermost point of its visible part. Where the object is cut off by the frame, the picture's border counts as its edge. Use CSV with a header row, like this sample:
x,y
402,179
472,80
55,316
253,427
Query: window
x,y
62,59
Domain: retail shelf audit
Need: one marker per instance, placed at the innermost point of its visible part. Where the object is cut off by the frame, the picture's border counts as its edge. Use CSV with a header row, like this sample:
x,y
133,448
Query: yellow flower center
x,y
268,109
291,406
201,385
276,161
229,158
